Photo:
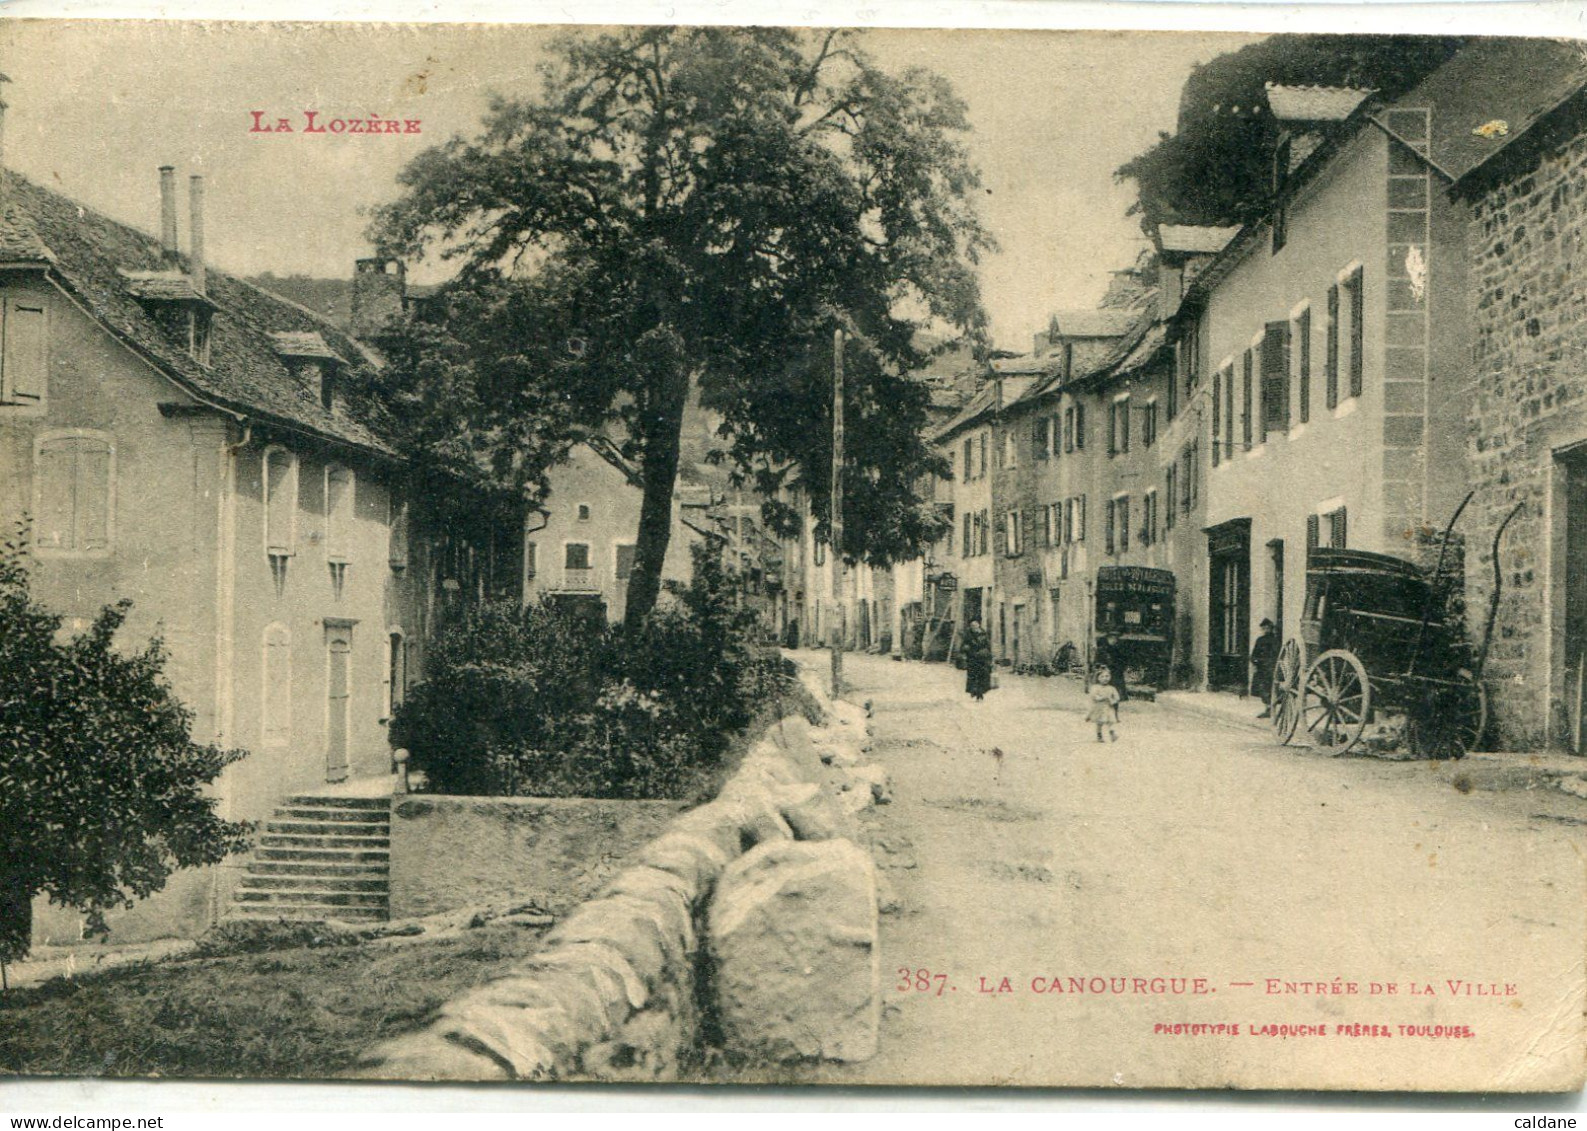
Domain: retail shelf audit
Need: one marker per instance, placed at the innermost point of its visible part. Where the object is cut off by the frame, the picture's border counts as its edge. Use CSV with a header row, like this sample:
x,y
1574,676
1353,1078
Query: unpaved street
x,y
1020,848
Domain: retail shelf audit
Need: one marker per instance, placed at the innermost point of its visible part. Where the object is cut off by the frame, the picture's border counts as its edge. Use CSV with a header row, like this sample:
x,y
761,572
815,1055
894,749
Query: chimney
x,y
195,234
378,288
168,212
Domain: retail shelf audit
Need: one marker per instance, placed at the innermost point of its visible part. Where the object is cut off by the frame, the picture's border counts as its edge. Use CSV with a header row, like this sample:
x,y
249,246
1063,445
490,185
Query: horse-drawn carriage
x,y
1376,641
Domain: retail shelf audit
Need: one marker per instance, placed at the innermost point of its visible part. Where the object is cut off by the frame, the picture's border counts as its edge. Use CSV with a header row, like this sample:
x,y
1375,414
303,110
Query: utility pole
x,y
838,620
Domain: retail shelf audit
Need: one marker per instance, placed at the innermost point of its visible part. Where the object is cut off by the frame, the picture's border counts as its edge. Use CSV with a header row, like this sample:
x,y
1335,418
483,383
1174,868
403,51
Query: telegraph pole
x,y
838,619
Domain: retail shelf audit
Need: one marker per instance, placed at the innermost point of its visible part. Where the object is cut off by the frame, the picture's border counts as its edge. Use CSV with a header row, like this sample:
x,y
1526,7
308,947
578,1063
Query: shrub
x,y
101,785
542,701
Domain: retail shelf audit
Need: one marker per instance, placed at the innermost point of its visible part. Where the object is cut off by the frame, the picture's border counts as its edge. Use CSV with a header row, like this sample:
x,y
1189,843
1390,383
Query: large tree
x,y
694,211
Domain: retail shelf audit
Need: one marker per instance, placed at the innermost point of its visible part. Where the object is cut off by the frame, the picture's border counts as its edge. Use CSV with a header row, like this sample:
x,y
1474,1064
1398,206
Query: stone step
x,y
326,855
304,882
326,814
305,913
321,840
317,801
317,868
328,828
311,894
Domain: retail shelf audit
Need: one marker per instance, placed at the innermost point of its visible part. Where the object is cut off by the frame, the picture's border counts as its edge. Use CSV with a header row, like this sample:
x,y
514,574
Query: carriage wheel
x,y
1336,700
1285,699
1450,721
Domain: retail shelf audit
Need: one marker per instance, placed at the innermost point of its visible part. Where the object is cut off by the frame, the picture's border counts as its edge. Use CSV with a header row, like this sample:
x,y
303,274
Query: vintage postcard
x,y
688,554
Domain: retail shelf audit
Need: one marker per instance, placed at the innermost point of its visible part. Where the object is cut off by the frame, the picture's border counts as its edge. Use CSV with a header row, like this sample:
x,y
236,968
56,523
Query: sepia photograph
x,y
799,556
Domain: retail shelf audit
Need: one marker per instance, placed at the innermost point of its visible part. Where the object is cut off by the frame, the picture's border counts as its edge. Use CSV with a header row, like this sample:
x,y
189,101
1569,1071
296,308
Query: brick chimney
x,y
378,288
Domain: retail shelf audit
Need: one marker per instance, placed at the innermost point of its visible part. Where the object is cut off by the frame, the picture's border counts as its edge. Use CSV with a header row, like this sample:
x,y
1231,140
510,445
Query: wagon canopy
x,y
1364,582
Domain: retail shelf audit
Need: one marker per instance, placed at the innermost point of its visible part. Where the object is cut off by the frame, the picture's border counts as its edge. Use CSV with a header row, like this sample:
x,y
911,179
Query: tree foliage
x,y
1217,168
101,786
693,211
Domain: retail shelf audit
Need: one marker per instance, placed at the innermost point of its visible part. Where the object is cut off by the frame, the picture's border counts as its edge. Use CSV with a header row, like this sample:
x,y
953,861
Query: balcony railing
x,y
579,580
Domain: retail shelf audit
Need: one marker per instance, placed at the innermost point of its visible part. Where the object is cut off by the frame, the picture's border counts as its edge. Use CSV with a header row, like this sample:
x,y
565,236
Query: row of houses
x,y
1402,324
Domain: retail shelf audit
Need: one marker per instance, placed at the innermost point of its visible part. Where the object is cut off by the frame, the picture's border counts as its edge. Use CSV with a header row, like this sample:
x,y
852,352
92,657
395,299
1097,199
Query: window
x,y
396,679
1119,425
969,460
24,352
1245,401
276,713
1080,518
1187,476
1069,429
1149,423
623,561
72,497
1109,538
338,513
981,539
1015,537
531,561
397,532
1010,450
1080,426
1331,365
280,502
1337,530
982,464
1356,311
1275,378
576,555
1302,352
584,512
1217,417
1149,517
1122,506
1171,493
967,543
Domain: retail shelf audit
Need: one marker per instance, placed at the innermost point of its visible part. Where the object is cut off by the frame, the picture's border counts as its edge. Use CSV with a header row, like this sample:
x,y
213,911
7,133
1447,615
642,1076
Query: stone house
x,y
1515,153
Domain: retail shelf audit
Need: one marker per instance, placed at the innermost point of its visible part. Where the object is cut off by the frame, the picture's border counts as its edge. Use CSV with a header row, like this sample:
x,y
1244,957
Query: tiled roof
x,y
1109,323
1193,240
298,343
1491,93
1025,365
978,406
1313,103
169,286
19,243
94,256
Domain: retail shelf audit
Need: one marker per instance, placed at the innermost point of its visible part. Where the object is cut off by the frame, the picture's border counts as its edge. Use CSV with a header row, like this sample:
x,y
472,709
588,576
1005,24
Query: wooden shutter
x,y
92,494
1124,425
1217,415
625,560
1245,401
338,513
1303,332
1108,535
280,483
1357,316
967,545
1171,493
1275,378
1080,509
1331,365
1122,510
277,722
1113,429
1337,529
1313,533
1038,430
1080,426
24,364
55,523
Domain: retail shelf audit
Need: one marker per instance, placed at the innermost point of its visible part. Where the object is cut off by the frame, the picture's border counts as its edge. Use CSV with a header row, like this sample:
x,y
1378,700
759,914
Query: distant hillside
x,y
330,297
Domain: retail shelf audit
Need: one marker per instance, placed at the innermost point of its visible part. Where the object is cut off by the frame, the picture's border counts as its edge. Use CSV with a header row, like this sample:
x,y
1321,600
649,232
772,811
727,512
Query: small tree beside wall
x,y
101,786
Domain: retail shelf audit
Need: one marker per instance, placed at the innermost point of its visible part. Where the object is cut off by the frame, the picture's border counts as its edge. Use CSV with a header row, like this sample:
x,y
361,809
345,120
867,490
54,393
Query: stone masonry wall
x,y
617,992
1530,331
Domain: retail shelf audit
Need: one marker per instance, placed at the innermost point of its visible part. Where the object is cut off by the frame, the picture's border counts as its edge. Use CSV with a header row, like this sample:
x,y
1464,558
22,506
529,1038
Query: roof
x,y
1025,365
94,257
166,286
1103,323
19,242
299,343
1491,93
1194,240
979,405
1313,103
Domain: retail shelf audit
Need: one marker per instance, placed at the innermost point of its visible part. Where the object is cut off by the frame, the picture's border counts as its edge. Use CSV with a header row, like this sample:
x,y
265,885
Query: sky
x,y
95,108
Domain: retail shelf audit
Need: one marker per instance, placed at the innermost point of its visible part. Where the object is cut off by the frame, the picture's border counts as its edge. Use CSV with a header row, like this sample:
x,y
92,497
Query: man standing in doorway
x,y
1264,658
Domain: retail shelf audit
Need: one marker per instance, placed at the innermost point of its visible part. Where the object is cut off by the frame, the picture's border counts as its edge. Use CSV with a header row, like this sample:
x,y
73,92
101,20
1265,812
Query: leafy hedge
x,y
547,701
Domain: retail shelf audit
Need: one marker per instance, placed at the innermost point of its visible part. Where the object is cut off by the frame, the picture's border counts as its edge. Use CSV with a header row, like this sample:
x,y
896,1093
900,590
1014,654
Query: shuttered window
x,y
1245,401
1275,378
1080,426
1337,529
277,707
280,502
1217,417
73,482
24,358
1121,509
624,563
1331,364
1109,537
1171,493
1313,532
1303,362
338,514
1357,319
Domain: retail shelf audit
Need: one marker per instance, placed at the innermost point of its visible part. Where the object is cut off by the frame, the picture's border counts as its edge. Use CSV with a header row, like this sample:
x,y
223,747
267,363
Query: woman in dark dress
x,y
977,661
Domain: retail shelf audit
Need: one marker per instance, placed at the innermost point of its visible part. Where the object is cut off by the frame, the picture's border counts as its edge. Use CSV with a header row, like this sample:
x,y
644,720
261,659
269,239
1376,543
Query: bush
x,y
543,701
101,786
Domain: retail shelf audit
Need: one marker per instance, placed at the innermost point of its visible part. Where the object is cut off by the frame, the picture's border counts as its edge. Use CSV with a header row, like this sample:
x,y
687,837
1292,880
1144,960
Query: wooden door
x,y
338,694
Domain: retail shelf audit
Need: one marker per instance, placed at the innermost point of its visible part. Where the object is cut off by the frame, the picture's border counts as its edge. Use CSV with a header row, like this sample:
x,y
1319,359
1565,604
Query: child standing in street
x,y
1104,699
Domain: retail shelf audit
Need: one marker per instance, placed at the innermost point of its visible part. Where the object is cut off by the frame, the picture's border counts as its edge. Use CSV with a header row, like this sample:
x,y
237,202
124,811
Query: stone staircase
x,y
320,858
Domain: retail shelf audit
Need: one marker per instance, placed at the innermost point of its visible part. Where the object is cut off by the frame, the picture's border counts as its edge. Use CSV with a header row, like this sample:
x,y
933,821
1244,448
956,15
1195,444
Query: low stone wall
x,y
452,852
619,988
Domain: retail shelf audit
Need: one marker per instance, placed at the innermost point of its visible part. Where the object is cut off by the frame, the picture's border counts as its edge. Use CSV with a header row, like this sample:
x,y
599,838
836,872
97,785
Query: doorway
x,y
1229,600
1275,585
338,695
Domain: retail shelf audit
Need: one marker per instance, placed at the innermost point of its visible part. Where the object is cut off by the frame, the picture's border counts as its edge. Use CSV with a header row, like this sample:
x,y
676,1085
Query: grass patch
x,y
305,1013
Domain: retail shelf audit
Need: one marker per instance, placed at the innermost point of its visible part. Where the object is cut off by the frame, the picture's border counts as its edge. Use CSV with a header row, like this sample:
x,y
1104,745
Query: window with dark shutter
x,y
1108,527
1080,426
1080,519
1313,533
1038,438
1337,529
1245,401
1357,315
1171,493
1122,511
1275,378
1331,364
1217,416
1303,341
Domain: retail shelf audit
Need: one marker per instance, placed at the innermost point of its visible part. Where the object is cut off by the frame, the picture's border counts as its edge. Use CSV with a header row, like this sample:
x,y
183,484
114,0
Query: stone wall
x,y
1529,320
624,987
452,852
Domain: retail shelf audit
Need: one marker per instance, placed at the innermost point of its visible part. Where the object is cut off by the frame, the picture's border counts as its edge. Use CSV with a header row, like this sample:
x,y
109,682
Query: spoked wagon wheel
x,y
1285,699
1335,701
1448,719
